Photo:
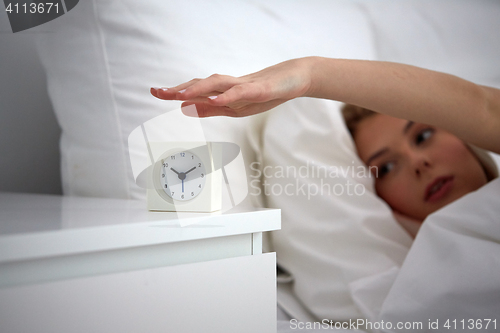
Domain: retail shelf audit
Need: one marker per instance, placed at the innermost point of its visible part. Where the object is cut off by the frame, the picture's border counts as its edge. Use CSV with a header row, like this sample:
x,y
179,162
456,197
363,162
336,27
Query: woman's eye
x,y
385,168
424,135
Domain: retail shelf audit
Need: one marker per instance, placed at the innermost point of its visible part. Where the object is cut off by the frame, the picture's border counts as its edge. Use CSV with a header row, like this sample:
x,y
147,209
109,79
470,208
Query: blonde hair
x,y
353,115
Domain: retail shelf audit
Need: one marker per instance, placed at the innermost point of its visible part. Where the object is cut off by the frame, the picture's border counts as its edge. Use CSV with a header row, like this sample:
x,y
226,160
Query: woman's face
x,y
420,168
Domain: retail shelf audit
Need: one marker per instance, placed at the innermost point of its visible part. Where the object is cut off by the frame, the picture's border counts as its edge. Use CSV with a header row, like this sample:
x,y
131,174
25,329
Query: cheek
x,y
396,192
454,153
402,196
458,158
466,166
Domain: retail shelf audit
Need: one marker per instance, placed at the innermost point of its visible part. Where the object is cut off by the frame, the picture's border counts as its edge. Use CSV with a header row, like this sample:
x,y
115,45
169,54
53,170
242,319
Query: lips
x,y
438,188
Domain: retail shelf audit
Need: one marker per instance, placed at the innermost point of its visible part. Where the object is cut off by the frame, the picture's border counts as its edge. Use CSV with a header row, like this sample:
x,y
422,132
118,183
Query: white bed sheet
x,y
451,272
285,326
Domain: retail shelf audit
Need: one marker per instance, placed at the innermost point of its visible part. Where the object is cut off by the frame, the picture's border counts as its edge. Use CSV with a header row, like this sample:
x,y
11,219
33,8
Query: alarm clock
x,y
184,177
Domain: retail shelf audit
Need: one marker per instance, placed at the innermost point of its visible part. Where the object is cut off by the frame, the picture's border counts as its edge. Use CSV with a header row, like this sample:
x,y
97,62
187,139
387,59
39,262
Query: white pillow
x,y
335,229
460,37
103,56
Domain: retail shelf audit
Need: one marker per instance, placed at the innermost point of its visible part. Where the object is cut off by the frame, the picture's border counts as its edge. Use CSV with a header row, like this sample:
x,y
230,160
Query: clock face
x,y
182,176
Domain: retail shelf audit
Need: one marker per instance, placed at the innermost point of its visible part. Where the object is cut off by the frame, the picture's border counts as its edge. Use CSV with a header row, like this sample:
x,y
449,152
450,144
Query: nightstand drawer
x,y
228,295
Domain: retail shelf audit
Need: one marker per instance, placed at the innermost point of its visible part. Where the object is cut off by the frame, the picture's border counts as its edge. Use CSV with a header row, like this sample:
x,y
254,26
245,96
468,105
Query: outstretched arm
x,y
470,111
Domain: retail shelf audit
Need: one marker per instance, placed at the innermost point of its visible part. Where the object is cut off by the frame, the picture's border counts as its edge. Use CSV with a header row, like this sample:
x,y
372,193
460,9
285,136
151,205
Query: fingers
x,y
203,110
211,86
178,91
197,88
220,95
153,91
245,92
172,93
185,85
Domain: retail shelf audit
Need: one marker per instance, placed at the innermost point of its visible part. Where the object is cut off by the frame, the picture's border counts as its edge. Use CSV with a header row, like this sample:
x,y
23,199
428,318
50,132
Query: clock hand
x,y
189,170
181,175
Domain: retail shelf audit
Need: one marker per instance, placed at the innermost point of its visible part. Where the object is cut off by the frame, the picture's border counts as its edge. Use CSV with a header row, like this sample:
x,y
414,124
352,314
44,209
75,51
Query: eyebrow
x,y
385,150
377,155
408,126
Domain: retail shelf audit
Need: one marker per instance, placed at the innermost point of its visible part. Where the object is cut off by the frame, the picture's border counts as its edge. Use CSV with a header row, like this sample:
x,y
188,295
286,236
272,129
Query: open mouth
x,y
438,188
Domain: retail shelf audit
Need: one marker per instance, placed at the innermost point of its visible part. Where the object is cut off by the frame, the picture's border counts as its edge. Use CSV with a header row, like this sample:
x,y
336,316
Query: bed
x,y
342,256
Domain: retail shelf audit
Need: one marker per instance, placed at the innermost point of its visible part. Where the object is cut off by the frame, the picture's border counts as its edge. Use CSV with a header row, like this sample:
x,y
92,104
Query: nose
x,y
421,163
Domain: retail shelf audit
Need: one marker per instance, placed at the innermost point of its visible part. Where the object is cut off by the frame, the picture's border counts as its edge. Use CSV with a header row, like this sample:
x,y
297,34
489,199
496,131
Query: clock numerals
x,y
185,175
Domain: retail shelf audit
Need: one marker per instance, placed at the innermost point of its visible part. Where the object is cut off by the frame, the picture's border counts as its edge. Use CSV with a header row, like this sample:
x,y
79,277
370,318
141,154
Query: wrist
x,y
314,68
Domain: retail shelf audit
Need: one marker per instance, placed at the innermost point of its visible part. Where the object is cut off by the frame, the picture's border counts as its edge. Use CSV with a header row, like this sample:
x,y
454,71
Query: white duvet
x,y
450,280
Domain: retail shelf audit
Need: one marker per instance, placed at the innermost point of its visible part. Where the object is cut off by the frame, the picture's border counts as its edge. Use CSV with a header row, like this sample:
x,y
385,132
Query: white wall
x,y
29,133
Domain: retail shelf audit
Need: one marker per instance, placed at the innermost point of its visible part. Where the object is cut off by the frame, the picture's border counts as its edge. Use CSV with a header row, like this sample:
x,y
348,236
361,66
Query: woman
x,y
418,135
419,168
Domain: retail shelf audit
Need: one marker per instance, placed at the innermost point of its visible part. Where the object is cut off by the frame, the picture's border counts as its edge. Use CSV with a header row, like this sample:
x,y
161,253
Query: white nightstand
x,y
71,264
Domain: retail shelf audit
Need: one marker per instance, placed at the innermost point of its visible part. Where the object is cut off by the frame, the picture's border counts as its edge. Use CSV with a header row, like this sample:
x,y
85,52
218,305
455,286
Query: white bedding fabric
x,y
451,271
286,327
332,237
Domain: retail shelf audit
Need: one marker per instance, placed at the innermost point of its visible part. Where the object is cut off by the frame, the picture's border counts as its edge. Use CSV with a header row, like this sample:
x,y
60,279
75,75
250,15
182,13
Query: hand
x,y
411,225
221,95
